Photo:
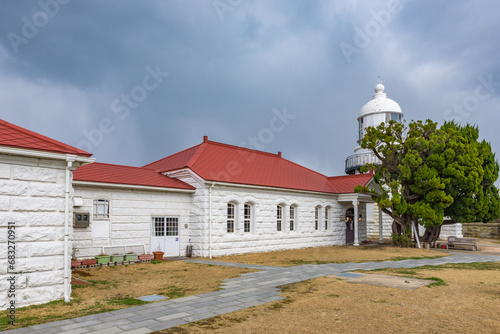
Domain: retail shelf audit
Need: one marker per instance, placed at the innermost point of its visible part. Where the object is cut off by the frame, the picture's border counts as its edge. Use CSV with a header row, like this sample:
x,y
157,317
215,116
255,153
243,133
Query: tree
x,y
428,173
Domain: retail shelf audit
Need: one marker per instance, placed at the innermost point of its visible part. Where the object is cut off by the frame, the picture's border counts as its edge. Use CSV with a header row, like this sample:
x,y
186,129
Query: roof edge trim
x,y
242,185
131,186
42,154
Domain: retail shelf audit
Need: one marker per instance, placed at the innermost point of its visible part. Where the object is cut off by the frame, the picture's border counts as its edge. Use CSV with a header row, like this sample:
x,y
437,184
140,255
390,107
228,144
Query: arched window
x,y
327,217
316,218
230,217
247,217
291,218
279,217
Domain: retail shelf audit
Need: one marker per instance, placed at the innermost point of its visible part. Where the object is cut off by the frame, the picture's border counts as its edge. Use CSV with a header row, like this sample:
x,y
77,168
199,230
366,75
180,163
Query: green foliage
x,y
402,240
428,173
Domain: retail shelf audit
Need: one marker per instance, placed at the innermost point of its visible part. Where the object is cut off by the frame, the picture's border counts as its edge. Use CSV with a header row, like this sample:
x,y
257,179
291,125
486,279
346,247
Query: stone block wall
x,y
32,196
264,236
481,230
130,217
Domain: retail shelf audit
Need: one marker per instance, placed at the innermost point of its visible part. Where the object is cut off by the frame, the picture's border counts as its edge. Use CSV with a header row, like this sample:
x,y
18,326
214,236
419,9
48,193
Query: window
x,y
172,227
316,218
360,131
158,226
392,117
279,217
165,226
292,218
101,208
247,217
230,218
326,218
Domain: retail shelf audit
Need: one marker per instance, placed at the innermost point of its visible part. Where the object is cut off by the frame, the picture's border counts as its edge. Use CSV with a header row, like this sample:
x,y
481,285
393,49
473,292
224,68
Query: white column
x,y
286,213
356,222
238,218
380,226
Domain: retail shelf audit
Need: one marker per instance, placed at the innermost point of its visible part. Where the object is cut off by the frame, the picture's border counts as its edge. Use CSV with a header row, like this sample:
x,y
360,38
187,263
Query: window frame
x,y
279,218
230,211
247,218
292,218
327,217
316,218
95,209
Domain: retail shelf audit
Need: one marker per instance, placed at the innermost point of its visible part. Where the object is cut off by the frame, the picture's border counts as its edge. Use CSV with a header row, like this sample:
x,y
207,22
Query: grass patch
x,y
174,292
126,301
466,266
439,282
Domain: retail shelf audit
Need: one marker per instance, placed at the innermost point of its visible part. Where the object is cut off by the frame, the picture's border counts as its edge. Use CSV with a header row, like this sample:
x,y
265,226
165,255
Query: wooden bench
x,y
462,243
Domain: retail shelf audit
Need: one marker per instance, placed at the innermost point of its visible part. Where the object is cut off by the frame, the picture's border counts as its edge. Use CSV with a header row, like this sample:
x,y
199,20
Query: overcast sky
x,y
135,81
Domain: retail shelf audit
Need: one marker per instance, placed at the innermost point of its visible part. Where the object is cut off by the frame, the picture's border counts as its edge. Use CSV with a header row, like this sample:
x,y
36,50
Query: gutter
x,y
130,186
43,154
67,287
210,220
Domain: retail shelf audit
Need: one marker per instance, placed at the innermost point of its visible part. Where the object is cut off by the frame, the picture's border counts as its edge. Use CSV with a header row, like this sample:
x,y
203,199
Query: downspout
x,y
416,234
210,220
67,286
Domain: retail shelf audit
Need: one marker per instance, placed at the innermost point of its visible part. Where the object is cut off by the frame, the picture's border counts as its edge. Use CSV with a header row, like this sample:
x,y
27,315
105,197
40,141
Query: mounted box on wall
x,y
81,219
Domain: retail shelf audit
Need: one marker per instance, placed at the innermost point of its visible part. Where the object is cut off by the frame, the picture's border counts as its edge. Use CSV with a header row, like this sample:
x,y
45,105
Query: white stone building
x,y
57,203
35,208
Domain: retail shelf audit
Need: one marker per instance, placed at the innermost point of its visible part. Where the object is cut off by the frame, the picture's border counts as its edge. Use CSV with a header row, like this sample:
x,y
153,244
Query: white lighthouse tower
x,y
378,110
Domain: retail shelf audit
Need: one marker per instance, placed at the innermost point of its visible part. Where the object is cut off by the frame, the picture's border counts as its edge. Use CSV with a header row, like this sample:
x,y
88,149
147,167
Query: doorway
x,y
349,229
165,235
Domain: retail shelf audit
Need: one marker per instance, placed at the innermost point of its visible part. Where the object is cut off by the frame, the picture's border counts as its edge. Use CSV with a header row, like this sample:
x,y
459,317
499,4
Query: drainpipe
x,y
67,287
210,220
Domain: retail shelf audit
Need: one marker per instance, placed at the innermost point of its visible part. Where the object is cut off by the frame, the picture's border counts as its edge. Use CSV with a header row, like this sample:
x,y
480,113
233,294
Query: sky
x,y
135,81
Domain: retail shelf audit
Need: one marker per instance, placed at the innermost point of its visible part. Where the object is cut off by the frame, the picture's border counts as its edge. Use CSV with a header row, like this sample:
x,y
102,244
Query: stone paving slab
x,y
246,290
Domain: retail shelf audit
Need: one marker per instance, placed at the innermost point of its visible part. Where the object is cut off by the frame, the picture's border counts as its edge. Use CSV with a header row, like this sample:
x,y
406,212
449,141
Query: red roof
x,y
214,161
15,136
345,184
117,174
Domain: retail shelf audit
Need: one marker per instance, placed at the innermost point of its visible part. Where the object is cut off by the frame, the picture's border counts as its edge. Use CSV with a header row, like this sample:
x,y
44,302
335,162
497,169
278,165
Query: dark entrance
x,y
349,221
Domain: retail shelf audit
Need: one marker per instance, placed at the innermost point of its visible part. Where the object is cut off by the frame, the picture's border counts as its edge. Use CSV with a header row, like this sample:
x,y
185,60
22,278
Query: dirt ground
x,y
488,245
114,288
468,303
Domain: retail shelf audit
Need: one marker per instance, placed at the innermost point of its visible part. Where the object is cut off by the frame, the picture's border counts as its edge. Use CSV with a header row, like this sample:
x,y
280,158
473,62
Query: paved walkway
x,y
245,291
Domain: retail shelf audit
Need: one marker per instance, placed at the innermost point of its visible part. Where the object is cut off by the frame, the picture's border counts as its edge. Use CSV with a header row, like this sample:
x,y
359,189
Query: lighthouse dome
x,y
380,103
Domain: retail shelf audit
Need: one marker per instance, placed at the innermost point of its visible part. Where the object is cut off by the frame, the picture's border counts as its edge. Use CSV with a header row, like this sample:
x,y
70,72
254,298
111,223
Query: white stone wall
x,y
32,196
264,236
373,225
451,230
446,230
130,217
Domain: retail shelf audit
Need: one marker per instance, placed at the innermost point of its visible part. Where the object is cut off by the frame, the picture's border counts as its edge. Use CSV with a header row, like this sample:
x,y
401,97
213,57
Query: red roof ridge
x,y
244,148
197,154
171,156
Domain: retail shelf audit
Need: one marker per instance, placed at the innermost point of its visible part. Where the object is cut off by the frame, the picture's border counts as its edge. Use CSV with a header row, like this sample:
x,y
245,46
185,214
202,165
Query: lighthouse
x,y
376,111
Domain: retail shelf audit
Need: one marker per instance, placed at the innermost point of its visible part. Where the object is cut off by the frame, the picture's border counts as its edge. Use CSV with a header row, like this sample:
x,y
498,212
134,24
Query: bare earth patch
x,y
469,302
331,254
117,287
